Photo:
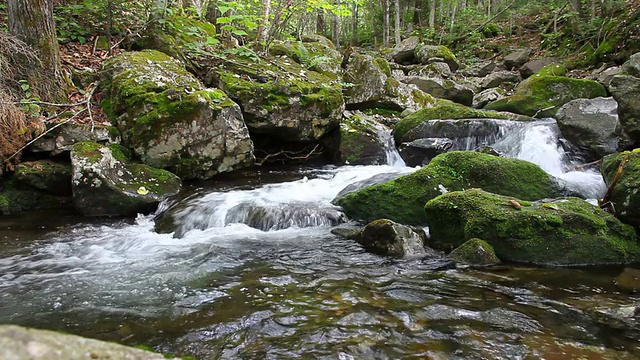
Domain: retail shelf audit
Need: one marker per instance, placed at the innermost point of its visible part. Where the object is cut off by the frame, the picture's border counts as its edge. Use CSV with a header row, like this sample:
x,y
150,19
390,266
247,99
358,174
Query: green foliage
x,y
28,98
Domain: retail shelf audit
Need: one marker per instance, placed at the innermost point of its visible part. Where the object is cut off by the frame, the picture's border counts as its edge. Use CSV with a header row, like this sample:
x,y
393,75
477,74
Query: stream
x,y
253,272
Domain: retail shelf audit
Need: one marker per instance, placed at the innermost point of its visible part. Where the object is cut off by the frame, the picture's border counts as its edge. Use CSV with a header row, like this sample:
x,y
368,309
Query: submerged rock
x,y
402,200
385,237
170,120
475,252
20,343
629,280
593,126
568,231
106,184
626,193
542,96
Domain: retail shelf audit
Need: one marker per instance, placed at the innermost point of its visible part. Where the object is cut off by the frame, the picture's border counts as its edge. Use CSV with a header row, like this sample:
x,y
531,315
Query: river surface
x,y
230,284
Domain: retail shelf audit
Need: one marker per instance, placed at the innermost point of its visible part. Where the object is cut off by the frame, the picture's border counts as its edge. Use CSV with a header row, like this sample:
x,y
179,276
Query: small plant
x,y
28,99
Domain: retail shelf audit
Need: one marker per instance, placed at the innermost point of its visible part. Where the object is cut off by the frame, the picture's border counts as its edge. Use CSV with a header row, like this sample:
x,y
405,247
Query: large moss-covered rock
x,y
47,175
402,200
427,54
359,143
375,87
317,56
105,184
444,109
280,98
593,126
626,194
20,343
170,120
442,88
16,196
475,252
567,231
542,96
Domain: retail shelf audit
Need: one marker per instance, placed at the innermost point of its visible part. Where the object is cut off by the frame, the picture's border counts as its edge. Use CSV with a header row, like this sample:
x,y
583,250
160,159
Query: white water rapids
x,y
129,268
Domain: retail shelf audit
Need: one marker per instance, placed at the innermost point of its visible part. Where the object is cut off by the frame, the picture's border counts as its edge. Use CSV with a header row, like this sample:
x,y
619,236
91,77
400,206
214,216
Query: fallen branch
x,y
289,155
605,200
585,166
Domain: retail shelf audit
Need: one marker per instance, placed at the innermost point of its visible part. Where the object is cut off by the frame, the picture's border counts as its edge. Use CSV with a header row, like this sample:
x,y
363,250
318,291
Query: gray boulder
x,y
61,138
50,176
487,96
404,52
498,78
104,183
385,237
359,142
441,88
427,54
419,152
440,69
533,66
20,343
632,66
605,76
170,120
593,126
480,69
625,88
517,58
626,194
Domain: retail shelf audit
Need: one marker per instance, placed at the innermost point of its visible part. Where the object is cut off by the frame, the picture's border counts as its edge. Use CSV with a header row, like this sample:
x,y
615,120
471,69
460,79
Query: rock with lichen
x,y
105,183
170,120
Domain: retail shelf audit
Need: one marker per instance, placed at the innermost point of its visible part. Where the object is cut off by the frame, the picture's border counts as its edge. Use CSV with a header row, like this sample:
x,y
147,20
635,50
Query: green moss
x,y
120,152
552,70
564,232
542,96
626,194
402,200
16,197
475,252
444,109
88,149
383,65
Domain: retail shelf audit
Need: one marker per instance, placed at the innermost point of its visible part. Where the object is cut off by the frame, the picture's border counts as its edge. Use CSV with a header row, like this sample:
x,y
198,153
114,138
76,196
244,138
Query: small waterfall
x,y
393,157
539,142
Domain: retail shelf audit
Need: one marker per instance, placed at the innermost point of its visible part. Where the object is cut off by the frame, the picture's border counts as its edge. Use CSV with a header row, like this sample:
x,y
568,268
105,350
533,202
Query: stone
x,y
16,197
20,343
359,143
50,176
592,125
62,138
402,200
625,89
499,78
105,183
420,151
441,88
440,69
563,232
533,66
475,252
404,52
427,54
604,77
632,66
480,69
374,180
385,237
170,120
517,58
626,194
542,96
487,96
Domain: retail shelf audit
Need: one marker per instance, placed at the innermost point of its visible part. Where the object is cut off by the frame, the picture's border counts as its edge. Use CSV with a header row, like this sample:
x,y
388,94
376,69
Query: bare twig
x,y
607,196
291,155
93,87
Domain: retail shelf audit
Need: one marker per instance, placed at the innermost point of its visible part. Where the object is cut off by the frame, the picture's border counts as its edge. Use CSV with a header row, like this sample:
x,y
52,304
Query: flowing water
x,y
253,272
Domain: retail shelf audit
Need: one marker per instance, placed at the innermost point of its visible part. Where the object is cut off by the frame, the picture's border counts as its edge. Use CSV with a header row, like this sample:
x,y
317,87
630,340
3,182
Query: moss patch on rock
x,y
475,252
402,200
542,96
567,231
626,193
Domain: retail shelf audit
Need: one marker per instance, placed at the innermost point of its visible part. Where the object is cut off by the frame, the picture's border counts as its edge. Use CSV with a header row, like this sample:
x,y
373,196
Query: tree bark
x,y
396,25
32,22
432,14
385,35
354,39
263,30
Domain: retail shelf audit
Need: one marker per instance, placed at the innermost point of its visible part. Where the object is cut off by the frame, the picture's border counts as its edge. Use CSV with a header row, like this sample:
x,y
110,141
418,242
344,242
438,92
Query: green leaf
x,y
223,9
223,20
212,41
239,32
25,87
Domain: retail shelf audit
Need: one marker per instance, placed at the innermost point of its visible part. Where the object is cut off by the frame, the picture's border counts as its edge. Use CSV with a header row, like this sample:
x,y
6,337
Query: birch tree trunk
x,y
385,35
397,21
432,14
32,22
263,30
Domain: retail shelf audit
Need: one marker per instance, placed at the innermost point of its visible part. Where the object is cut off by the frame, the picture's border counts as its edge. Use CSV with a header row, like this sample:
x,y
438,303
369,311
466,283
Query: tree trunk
x,y
432,14
453,16
385,35
320,24
32,22
396,25
354,39
263,30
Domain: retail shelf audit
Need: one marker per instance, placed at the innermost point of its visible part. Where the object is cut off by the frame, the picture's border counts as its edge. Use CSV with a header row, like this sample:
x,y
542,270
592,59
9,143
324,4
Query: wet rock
x,y
604,77
170,120
419,152
517,58
593,126
480,69
632,66
625,88
50,176
17,196
487,96
385,237
629,280
63,137
402,200
374,87
533,66
475,252
374,180
542,96
105,184
427,54
499,78
441,88
359,141
404,53
626,194
568,231
270,218
18,342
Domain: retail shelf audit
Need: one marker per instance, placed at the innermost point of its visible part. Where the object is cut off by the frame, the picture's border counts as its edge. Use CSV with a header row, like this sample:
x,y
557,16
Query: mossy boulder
x,y
18,342
280,98
443,110
427,54
375,87
16,196
567,231
105,183
385,237
542,96
533,66
316,56
359,143
170,120
178,36
442,88
402,200
47,175
626,194
475,252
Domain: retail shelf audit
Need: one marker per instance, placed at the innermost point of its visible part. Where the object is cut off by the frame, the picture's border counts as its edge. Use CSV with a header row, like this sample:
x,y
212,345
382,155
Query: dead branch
x,y
290,155
585,166
607,196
